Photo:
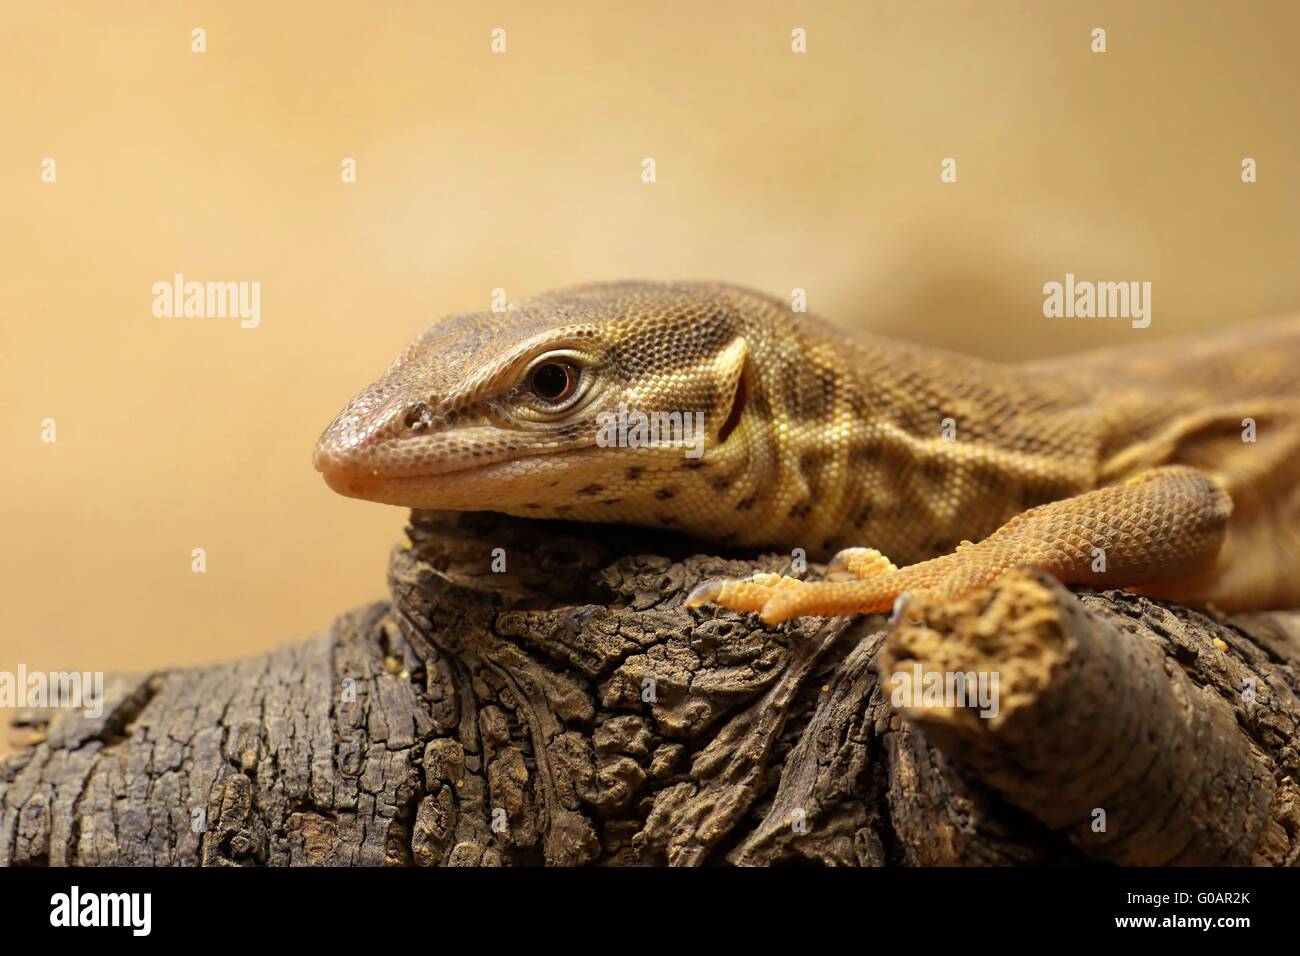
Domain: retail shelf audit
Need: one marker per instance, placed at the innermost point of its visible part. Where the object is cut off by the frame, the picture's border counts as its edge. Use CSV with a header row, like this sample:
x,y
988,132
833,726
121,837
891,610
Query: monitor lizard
x,y
1165,467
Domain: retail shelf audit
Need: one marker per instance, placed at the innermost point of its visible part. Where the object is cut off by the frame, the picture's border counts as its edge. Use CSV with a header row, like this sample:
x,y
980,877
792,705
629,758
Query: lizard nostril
x,y
418,417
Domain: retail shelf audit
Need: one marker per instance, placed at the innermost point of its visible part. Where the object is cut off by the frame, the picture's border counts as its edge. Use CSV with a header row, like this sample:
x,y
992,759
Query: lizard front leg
x,y
1157,525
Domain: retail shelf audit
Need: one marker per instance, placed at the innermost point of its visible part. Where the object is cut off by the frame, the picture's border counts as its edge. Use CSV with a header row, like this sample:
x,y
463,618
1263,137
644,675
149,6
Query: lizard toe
x,y
749,594
858,564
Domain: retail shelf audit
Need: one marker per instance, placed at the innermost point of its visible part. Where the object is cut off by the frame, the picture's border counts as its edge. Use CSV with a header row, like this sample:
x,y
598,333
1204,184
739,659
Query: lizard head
x,y
520,411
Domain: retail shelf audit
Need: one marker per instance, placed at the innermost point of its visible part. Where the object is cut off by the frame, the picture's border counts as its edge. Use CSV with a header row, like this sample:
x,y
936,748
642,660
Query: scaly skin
x,y
1121,468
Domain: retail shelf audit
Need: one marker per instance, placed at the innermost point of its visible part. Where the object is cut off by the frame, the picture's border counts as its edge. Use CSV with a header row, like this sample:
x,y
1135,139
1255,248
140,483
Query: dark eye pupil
x,y
551,380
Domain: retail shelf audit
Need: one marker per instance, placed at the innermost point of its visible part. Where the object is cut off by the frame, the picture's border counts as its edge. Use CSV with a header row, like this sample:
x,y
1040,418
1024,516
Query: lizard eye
x,y
554,381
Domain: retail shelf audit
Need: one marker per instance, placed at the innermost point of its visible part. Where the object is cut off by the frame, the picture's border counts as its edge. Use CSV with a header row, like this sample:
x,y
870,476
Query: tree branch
x,y
567,710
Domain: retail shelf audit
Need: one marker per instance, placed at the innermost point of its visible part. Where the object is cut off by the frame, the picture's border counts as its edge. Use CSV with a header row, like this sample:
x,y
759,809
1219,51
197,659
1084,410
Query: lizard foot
x,y
860,579
758,591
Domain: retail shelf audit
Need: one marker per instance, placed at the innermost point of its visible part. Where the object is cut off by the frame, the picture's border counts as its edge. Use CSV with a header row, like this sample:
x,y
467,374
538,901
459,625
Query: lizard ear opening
x,y
737,408
732,370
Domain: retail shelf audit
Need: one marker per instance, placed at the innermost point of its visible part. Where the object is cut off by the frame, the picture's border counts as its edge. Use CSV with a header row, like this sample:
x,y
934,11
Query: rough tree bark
x,y
569,711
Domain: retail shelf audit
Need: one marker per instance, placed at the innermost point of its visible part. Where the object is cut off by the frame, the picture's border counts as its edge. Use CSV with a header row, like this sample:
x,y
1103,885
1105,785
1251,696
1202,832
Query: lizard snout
x,y
353,445
336,464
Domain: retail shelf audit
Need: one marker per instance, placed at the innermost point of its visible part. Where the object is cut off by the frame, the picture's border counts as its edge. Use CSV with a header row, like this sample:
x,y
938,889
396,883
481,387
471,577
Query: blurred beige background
x,y
522,170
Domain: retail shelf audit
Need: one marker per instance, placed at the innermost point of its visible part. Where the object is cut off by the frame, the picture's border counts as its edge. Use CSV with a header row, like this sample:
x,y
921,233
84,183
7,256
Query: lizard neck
x,y
909,450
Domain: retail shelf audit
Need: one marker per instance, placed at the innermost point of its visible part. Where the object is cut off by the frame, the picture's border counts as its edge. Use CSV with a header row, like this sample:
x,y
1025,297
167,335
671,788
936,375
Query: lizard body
x,y
818,439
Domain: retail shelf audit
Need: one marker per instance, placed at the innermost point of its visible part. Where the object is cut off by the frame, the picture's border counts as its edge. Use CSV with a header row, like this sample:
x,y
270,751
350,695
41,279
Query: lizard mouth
x,y
446,484
387,458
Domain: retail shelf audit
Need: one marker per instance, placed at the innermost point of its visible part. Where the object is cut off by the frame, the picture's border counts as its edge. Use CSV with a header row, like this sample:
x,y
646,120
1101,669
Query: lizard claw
x,y
909,607
706,593
837,570
900,607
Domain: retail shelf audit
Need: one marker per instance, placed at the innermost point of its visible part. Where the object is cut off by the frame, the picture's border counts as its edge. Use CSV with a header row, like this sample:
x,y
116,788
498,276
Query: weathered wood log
x,y
567,710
